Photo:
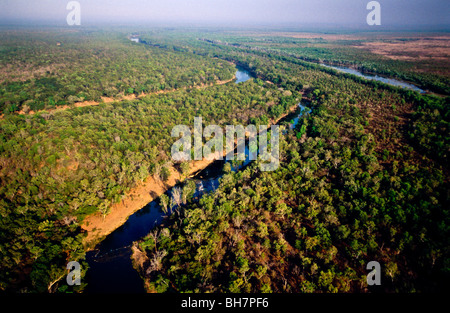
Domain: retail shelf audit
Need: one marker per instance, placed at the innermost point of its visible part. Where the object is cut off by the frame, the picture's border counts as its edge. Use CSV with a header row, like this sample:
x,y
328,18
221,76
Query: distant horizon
x,y
309,28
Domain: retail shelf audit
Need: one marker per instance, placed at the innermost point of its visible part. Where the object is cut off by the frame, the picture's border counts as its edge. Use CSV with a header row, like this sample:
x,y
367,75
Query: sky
x,y
230,12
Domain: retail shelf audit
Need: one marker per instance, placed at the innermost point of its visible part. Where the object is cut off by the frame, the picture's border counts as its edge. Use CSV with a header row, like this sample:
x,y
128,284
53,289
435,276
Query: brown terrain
x,y
99,226
121,98
415,48
405,46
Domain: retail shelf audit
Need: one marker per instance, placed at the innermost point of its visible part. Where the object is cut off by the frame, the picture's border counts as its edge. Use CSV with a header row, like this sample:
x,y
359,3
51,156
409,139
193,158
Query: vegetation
x,y
363,176
57,168
350,189
427,72
44,70
430,128
311,226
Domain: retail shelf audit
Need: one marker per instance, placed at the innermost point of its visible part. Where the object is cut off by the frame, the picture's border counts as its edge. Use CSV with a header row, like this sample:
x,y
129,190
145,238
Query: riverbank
x,y
98,226
121,98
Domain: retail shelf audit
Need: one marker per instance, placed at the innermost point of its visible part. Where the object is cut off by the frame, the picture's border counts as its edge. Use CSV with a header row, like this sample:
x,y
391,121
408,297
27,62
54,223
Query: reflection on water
x,y
295,120
242,75
110,267
389,81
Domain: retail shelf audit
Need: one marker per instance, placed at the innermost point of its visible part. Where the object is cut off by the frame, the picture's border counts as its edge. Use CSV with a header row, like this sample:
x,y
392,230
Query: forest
x,y
61,68
362,177
342,197
57,168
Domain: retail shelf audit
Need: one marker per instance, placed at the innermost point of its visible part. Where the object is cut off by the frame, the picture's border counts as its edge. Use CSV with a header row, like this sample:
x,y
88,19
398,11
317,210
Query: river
x,y
110,268
390,81
242,75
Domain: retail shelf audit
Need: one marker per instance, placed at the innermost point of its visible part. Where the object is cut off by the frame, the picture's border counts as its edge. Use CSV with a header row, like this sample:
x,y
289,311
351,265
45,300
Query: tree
x,y
104,208
164,202
165,173
177,196
188,191
185,168
392,270
156,262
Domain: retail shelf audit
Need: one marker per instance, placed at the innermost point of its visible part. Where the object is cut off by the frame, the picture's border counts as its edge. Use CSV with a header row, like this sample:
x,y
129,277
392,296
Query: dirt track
x,y
122,98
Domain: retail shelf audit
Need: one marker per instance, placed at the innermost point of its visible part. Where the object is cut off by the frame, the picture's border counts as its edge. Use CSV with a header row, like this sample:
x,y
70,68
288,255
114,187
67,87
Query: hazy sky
x,y
235,12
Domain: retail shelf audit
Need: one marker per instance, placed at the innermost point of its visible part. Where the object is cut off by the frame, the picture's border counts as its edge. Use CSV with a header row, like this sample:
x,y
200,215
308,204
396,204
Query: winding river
x,y
390,81
110,268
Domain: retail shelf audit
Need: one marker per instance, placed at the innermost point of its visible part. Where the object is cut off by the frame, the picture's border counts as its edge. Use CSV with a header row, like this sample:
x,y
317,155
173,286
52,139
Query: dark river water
x,y
110,268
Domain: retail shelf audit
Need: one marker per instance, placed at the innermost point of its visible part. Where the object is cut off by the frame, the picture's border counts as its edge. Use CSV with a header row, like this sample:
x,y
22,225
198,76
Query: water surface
x,y
242,75
110,266
390,81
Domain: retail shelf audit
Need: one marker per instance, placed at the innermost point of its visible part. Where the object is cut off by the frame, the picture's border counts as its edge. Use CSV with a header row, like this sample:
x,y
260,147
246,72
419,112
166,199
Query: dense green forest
x,y
56,168
361,179
336,203
427,72
46,69
363,176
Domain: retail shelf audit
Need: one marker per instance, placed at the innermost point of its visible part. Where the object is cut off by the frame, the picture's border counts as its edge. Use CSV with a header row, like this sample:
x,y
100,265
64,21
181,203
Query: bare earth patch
x,y
24,71
98,226
122,98
422,48
300,35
